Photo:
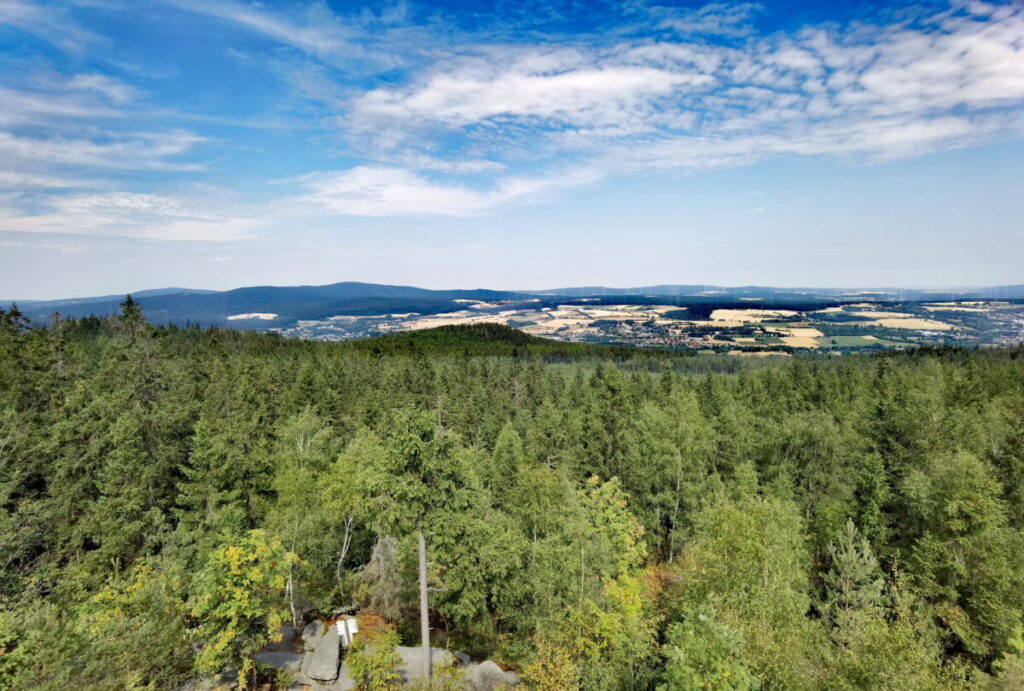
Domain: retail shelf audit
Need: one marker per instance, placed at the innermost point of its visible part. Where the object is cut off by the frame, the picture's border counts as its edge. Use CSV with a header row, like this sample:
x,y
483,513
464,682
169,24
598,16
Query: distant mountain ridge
x,y
289,304
157,292
279,306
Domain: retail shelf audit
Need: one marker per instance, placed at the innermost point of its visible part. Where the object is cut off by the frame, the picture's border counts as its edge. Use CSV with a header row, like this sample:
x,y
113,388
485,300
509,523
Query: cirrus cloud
x,y
125,214
381,191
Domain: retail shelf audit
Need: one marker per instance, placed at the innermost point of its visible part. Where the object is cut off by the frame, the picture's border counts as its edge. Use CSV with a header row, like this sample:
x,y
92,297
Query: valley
x,y
850,327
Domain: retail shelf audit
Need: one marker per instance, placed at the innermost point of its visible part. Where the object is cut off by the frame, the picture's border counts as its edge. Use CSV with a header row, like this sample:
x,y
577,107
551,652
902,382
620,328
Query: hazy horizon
x,y
521,289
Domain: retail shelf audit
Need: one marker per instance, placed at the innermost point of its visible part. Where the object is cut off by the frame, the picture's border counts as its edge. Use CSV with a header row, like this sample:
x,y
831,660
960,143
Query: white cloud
x,y
379,191
420,161
316,30
487,108
15,180
132,151
115,90
24,107
51,24
716,19
918,85
143,216
880,139
580,96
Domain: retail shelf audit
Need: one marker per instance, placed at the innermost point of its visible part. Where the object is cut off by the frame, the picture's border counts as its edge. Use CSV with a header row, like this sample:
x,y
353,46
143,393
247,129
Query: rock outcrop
x,y
412,661
321,664
344,682
316,663
280,659
311,633
488,676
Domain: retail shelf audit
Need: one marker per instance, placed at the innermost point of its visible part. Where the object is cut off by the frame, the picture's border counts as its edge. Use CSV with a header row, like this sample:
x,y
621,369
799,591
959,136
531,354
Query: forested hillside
x,y
593,519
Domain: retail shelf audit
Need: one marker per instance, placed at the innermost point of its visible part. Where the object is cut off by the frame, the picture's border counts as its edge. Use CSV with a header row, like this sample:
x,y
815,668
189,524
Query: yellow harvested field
x,y
951,308
870,338
884,315
923,324
447,319
555,324
759,353
801,338
740,317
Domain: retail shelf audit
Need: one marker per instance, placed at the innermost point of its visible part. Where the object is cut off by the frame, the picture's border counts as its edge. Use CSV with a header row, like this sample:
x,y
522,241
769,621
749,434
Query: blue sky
x,y
526,144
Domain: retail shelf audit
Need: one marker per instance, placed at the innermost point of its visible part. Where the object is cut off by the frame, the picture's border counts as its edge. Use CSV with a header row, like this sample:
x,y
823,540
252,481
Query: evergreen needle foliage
x,y
592,518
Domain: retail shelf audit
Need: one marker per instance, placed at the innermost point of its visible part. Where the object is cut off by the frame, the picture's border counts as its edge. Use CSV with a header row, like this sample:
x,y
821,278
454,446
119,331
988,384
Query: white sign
x,y
348,627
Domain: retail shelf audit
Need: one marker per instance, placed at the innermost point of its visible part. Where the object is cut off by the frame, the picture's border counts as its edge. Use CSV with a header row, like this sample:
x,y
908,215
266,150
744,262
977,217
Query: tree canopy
x,y
595,519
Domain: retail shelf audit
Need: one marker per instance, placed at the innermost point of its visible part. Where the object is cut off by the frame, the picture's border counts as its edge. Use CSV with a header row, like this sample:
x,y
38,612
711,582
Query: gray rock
x,y
287,635
344,682
280,659
488,676
462,658
412,659
313,631
322,663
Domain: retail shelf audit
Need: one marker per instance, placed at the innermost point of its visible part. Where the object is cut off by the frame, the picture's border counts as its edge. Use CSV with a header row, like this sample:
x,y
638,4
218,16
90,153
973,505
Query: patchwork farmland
x,y
854,326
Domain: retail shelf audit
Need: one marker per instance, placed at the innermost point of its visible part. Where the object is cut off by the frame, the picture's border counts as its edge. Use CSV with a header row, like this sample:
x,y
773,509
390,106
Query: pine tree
x,y
208,500
854,580
422,482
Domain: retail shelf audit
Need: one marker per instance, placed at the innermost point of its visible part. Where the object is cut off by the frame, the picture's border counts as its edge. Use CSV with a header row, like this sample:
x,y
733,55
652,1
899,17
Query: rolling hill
x,y
660,316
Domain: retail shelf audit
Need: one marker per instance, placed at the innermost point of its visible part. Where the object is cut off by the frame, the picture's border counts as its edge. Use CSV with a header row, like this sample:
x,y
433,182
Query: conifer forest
x,y
588,517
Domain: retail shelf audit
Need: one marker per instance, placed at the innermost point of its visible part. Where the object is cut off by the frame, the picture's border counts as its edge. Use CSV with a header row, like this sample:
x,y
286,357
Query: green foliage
x,y
965,560
239,601
748,559
208,495
166,487
854,580
894,647
701,653
872,494
608,642
130,634
1009,669
422,477
372,659
12,655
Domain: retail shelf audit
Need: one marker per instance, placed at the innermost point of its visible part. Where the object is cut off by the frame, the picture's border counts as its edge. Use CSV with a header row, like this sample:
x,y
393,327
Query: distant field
x,y
856,342
722,328
802,338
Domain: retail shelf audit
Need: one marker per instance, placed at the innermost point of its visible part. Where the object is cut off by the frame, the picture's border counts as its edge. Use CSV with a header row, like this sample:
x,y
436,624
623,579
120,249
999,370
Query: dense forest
x,y
594,519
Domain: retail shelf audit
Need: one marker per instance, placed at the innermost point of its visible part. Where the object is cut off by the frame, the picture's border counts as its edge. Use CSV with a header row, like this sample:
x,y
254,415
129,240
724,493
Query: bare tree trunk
x,y
424,613
582,576
675,513
290,585
289,590
582,573
346,543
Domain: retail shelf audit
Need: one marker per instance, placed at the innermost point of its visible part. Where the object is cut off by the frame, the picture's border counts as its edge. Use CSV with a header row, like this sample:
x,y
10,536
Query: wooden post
x,y
424,610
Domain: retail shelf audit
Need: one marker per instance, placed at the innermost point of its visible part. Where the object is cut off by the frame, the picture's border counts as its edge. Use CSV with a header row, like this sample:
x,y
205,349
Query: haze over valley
x,y
729,320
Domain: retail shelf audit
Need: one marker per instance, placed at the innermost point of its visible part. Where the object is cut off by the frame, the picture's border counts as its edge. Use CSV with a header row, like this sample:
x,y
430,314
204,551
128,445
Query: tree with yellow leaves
x,y
240,602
